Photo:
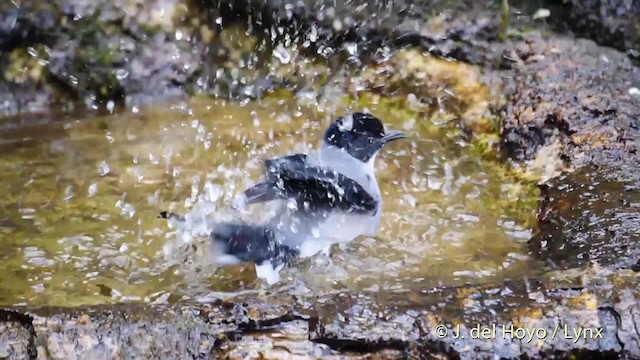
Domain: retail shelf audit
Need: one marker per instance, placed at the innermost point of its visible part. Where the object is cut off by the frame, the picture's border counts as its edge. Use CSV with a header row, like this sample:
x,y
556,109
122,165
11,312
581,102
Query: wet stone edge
x,y
368,323
26,321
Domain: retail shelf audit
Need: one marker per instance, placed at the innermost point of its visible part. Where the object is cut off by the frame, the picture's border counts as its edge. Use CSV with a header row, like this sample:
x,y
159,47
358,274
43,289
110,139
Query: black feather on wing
x,y
250,243
290,177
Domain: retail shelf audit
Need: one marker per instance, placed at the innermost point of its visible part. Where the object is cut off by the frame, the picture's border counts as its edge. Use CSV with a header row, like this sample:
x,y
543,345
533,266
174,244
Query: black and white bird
x,y
326,197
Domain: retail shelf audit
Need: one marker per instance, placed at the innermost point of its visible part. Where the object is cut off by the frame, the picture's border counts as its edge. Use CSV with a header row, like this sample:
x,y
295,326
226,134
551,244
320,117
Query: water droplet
x,y
103,168
212,191
409,199
352,48
541,14
337,25
68,193
306,98
93,190
122,74
434,183
110,106
415,178
27,213
283,118
315,232
282,54
38,287
153,199
178,35
126,209
154,159
313,34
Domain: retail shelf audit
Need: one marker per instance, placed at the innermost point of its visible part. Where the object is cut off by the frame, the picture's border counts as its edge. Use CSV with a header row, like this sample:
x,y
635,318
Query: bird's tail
x,y
245,242
256,244
251,243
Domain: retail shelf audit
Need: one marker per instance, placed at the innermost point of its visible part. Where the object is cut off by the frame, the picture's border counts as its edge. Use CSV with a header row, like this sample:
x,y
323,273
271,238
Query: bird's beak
x,y
393,135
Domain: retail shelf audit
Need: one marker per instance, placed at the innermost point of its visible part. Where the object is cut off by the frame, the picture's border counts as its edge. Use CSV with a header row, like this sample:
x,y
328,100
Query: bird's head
x,y
361,135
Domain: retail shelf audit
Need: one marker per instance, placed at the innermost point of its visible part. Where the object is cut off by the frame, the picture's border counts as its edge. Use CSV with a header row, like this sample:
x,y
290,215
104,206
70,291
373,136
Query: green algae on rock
x,y
458,102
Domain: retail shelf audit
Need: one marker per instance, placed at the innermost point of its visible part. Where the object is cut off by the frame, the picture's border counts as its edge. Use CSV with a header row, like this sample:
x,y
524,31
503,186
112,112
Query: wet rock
x,y
127,332
589,216
614,23
74,52
25,26
14,341
16,335
459,29
413,319
92,56
97,51
28,98
352,322
470,94
93,51
572,109
573,91
534,319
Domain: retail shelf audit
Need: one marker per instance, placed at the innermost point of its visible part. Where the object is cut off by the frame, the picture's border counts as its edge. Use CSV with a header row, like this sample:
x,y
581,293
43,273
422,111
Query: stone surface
x,y
576,92
587,216
94,51
461,29
573,108
69,50
614,23
364,325
16,335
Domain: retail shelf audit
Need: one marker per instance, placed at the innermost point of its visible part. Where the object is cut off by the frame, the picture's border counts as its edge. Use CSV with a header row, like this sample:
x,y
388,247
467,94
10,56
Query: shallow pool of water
x,y
79,199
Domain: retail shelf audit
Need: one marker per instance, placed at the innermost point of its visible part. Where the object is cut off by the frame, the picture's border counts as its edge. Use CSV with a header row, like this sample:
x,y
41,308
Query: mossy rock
x,y
26,65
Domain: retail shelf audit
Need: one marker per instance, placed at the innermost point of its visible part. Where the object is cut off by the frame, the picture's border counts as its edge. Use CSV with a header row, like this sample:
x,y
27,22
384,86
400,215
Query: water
x,y
80,195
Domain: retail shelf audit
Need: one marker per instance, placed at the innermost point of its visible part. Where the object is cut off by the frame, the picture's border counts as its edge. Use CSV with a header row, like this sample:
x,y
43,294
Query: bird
x,y
325,197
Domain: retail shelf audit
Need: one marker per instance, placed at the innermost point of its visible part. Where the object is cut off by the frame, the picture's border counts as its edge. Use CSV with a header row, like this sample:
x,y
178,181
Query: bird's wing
x,y
292,177
266,191
295,161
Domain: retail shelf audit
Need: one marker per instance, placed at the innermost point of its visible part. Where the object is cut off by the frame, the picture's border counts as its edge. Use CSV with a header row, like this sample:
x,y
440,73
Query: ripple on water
x,y
81,213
